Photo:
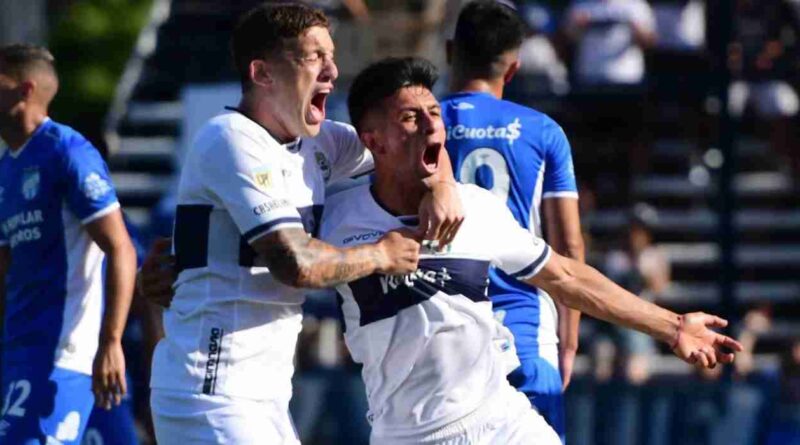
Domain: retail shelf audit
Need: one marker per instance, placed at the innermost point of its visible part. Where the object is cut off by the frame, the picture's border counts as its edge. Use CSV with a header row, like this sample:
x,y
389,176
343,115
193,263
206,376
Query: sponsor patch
x,y
95,187
263,178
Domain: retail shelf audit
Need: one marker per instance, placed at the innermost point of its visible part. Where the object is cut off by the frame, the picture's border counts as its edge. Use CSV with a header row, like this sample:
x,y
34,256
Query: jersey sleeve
x,y
349,158
559,172
514,250
248,184
90,195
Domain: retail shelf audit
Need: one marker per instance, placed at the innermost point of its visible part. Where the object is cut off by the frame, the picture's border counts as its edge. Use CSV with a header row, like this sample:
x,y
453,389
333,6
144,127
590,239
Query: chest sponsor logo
x,y
30,182
324,164
436,277
263,178
23,227
95,187
510,132
363,237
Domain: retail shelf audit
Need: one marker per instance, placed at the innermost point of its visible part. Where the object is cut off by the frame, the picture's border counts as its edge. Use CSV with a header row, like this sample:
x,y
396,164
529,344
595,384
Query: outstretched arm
x,y
582,287
108,372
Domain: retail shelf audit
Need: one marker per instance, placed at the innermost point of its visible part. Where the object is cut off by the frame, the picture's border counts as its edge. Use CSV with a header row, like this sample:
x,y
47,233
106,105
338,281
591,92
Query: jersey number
x,y
15,409
487,168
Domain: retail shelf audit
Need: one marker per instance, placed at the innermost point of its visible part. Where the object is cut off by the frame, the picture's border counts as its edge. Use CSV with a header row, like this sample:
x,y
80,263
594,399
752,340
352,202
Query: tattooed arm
x,y
298,260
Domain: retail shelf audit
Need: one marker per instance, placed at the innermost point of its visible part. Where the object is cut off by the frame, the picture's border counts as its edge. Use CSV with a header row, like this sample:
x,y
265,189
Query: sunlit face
x,y
304,75
412,133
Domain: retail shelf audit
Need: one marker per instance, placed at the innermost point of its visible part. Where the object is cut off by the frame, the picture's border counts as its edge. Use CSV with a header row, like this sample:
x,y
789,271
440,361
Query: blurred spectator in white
x,y
611,36
760,62
681,24
540,61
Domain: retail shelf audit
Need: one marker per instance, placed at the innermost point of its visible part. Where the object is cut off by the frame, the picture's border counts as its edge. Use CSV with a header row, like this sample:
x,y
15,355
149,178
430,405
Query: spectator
x,y
786,428
611,36
760,62
541,69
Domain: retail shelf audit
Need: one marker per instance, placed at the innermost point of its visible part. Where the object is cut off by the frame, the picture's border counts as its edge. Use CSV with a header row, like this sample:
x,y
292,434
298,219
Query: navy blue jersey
x,y
521,156
49,189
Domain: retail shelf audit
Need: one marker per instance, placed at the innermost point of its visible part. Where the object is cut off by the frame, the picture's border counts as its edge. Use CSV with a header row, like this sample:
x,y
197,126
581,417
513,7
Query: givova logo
x,y
510,132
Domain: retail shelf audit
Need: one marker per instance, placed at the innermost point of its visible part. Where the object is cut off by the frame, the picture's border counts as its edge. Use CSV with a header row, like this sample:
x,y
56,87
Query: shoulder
x,y
335,135
477,199
340,206
68,143
230,133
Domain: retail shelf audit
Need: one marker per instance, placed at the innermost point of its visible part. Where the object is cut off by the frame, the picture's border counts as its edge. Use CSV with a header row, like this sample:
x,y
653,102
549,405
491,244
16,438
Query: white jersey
x,y
431,350
232,327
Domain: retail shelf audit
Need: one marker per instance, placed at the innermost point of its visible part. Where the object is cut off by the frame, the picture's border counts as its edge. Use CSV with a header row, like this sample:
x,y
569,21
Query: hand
x,y
400,252
441,213
566,361
696,344
157,275
108,374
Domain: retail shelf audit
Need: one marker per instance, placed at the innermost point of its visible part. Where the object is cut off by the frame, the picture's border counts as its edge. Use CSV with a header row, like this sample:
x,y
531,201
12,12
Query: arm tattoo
x,y
298,260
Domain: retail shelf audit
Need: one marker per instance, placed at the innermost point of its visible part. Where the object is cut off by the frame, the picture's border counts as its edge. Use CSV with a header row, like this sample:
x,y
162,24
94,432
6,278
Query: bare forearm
x,y
583,288
120,278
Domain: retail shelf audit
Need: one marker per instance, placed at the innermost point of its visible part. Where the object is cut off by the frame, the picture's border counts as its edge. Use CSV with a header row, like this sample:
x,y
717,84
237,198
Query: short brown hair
x,y
18,60
265,29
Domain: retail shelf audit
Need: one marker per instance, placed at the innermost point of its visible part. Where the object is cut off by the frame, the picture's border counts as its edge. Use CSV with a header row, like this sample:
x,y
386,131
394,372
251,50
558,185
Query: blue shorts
x,y
41,404
111,427
541,382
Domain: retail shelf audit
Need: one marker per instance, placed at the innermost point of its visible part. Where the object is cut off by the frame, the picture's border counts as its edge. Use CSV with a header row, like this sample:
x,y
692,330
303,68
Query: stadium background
x,y
681,202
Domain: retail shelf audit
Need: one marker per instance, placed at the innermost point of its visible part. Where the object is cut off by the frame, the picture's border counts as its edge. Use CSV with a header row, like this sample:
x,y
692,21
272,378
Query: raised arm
x,y
108,373
564,235
298,260
581,287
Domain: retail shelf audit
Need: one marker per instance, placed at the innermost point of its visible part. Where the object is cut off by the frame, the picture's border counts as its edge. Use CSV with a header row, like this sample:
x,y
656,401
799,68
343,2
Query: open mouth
x,y
430,157
316,108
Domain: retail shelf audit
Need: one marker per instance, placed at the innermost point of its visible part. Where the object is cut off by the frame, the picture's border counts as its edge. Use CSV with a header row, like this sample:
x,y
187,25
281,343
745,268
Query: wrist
x,y
378,254
676,338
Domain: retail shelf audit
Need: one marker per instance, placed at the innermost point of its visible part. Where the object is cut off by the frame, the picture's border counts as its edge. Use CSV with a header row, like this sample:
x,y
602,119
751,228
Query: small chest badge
x,y
30,182
323,164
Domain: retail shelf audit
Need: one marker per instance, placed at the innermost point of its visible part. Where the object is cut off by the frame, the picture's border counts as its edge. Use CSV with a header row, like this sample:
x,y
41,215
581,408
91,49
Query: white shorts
x,y
507,419
184,418
773,98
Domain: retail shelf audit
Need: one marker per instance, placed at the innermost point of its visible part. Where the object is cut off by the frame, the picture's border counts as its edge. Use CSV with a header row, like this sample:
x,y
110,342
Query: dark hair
x,y
17,60
265,29
485,30
382,79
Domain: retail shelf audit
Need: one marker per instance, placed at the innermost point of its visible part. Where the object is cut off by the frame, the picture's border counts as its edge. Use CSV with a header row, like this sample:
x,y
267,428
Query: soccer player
x,y
434,358
59,217
523,157
250,195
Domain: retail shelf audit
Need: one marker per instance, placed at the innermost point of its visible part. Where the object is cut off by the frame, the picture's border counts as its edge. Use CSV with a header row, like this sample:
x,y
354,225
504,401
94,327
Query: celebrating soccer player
x,y
434,358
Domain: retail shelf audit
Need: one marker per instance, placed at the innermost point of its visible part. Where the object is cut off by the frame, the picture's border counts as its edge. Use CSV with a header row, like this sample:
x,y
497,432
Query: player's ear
x,y
260,72
26,89
371,140
511,70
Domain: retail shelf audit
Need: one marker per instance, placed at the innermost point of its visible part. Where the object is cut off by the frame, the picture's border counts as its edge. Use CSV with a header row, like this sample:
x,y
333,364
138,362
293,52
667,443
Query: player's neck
x,y
398,195
17,132
476,85
260,112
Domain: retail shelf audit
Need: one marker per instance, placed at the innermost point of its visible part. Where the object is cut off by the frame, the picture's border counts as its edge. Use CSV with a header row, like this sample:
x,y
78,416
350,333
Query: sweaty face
x,y
304,78
413,132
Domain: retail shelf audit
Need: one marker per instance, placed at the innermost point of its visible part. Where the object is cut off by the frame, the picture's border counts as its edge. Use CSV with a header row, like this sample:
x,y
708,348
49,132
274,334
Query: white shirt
x,y
431,349
607,52
232,327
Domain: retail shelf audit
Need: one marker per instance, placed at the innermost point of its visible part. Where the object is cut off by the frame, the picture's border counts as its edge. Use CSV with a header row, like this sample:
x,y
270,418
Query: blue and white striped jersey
x,y
522,156
49,189
431,349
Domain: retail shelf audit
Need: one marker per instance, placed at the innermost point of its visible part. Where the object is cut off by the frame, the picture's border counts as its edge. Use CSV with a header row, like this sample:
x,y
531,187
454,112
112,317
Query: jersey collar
x,y
17,153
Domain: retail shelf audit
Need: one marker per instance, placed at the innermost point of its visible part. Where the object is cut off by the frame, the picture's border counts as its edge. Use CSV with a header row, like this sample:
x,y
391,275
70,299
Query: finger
x,y
122,383
434,230
724,340
716,322
451,233
725,357
711,355
700,359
